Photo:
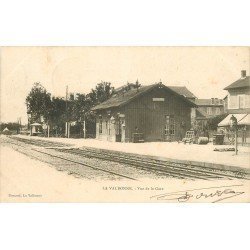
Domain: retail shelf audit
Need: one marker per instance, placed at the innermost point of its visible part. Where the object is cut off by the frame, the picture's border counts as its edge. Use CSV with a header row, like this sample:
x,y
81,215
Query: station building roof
x,y
241,83
119,99
182,90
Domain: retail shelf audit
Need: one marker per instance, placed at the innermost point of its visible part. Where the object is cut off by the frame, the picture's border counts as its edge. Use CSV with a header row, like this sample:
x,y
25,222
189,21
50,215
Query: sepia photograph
x,y
125,124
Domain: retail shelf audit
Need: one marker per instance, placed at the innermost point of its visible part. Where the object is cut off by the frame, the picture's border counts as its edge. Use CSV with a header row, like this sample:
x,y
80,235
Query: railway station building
x,y
146,113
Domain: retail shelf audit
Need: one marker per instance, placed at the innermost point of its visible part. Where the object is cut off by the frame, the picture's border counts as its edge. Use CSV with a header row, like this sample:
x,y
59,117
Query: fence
x,y
242,138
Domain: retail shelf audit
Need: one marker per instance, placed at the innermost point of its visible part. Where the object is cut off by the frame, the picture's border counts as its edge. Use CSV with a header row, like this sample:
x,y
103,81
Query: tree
x,y
214,121
128,87
79,111
38,103
57,114
101,93
12,126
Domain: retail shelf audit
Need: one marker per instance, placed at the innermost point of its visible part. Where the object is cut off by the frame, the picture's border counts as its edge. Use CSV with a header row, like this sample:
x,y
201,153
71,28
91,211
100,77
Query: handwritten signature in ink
x,y
212,194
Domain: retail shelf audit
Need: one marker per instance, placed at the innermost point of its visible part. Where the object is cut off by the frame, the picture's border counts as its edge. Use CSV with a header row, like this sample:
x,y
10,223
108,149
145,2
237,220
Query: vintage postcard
x,y
125,124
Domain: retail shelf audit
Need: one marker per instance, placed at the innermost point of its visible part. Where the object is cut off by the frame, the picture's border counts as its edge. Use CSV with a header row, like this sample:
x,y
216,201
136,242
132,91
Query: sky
x,y
205,71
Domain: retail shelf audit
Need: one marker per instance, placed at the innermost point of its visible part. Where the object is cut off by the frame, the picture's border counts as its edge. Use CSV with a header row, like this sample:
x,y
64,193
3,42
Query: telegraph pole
x,y
20,124
48,127
84,127
66,123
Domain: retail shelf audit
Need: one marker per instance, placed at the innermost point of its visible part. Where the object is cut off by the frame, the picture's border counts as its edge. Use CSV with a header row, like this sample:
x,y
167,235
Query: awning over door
x,y
245,120
226,121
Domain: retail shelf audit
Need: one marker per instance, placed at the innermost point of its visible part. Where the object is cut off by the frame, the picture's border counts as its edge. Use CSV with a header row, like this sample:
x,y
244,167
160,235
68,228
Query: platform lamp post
x,y
82,121
66,114
233,124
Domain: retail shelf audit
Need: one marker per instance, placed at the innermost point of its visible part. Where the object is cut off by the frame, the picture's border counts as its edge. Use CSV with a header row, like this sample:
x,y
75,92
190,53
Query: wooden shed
x,y
35,128
152,113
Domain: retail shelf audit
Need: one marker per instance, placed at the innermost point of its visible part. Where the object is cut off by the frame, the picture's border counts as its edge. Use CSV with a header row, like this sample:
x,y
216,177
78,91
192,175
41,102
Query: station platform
x,y
191,153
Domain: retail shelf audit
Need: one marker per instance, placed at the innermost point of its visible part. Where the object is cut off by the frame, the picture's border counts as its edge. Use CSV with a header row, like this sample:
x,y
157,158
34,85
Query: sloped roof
x,y
206,102
245,120
122,98
200,113
226,121
241,83
182,90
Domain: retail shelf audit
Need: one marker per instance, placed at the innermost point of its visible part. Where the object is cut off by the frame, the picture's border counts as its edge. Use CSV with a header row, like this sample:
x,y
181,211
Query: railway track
x,y
169,168
177,170
68,160
86,165
38,142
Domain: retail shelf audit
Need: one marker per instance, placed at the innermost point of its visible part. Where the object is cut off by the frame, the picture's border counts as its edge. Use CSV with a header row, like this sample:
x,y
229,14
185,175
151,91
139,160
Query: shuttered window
x,y
247,101
241,101
209,110
217,110
233,102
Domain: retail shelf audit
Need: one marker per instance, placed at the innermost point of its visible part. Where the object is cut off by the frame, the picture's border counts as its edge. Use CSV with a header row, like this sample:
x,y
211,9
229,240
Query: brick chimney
x,y
243,73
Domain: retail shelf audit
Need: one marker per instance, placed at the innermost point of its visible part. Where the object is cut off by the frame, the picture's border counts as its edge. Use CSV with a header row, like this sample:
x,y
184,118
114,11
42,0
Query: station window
x,y
169,125
100,125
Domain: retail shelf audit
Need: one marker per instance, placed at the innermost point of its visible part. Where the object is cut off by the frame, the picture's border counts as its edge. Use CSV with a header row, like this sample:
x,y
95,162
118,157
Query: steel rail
x,y
195,172
76,162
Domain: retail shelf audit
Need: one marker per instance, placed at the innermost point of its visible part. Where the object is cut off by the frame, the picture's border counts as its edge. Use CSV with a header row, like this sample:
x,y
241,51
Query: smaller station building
x,y
238,105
